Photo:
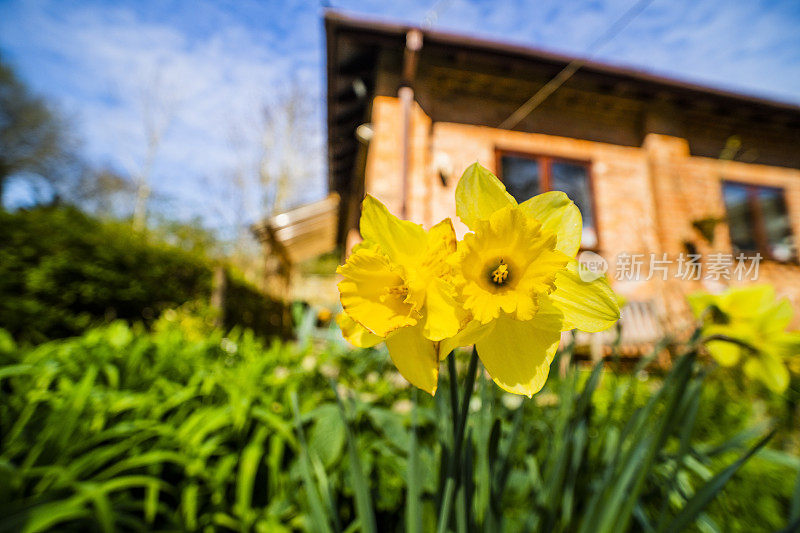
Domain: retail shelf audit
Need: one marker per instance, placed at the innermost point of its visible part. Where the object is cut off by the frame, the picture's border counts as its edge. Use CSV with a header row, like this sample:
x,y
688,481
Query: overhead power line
x,y
573,66
432,16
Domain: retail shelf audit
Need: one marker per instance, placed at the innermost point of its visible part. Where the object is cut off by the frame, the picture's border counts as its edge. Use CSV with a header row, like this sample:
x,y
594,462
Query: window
x,y
525,176
758,220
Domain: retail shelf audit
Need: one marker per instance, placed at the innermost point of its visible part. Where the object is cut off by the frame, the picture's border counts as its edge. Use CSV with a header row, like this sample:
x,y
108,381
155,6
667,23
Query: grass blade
x,y
683,450
503,464
626,474
703,497
318,519
665,426
793,527
248,466
794,510
414,492
47,516
364,511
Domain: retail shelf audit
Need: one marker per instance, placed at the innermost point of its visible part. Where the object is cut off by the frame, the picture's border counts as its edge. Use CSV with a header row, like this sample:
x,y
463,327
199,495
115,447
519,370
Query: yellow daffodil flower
x,y
517,279
755,317
395,290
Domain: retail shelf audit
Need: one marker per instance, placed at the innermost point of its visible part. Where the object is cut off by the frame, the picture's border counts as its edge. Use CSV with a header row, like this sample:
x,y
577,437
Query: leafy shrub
x,y
323,265
62,271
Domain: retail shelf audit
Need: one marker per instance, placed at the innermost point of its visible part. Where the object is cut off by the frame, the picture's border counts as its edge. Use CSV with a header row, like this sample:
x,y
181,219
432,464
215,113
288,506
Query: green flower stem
x,y
460,413
453,374
733,340
447,504
414,497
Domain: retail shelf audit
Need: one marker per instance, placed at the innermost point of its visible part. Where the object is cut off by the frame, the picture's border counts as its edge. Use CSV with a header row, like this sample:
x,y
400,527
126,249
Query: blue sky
x,y
216,63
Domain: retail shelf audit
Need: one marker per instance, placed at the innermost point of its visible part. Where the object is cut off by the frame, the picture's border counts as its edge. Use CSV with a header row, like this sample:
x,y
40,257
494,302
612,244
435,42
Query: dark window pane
x,y
521,177
740,217
776,223
573,179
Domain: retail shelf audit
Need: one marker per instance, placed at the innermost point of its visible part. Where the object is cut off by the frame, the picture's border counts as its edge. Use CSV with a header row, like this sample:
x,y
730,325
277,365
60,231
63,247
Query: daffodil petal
x,y
442,236
518,354
415,357
777,318
443,314
557,214
479,194
470,334
769,369
399,239
368,274
788,344
355,333
700,301
725,353
587,306
750,302
432,264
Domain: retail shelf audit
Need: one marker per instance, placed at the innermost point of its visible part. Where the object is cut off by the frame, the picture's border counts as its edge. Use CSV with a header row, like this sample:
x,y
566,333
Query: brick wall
x,y
645,197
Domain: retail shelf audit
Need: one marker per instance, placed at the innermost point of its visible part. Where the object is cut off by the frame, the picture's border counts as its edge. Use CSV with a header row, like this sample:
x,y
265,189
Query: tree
x,y
158,112
105,193
276,154
34,140
290,138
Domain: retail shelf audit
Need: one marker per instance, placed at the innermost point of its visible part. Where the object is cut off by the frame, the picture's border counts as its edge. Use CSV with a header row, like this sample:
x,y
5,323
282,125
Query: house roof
x,y
354,45
303,232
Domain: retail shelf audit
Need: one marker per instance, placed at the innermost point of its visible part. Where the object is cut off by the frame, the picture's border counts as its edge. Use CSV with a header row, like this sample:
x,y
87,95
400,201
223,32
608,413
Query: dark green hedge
x,y
62,271
246,307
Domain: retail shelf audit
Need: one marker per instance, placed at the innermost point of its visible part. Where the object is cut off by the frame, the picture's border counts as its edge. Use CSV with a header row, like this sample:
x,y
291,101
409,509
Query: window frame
x,y
545,162
759,224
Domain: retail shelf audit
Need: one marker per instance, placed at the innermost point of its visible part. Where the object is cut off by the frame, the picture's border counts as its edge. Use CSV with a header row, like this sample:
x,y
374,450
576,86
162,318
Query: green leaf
x,y
391,425
327,436
248,466
189,504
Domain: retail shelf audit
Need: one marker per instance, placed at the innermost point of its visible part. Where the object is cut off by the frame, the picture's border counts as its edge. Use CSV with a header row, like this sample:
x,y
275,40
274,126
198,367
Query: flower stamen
x,y
402,290
500,274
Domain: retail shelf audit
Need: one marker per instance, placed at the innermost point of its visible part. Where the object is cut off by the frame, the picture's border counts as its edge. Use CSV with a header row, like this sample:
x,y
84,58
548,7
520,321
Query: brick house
x,y
657,166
